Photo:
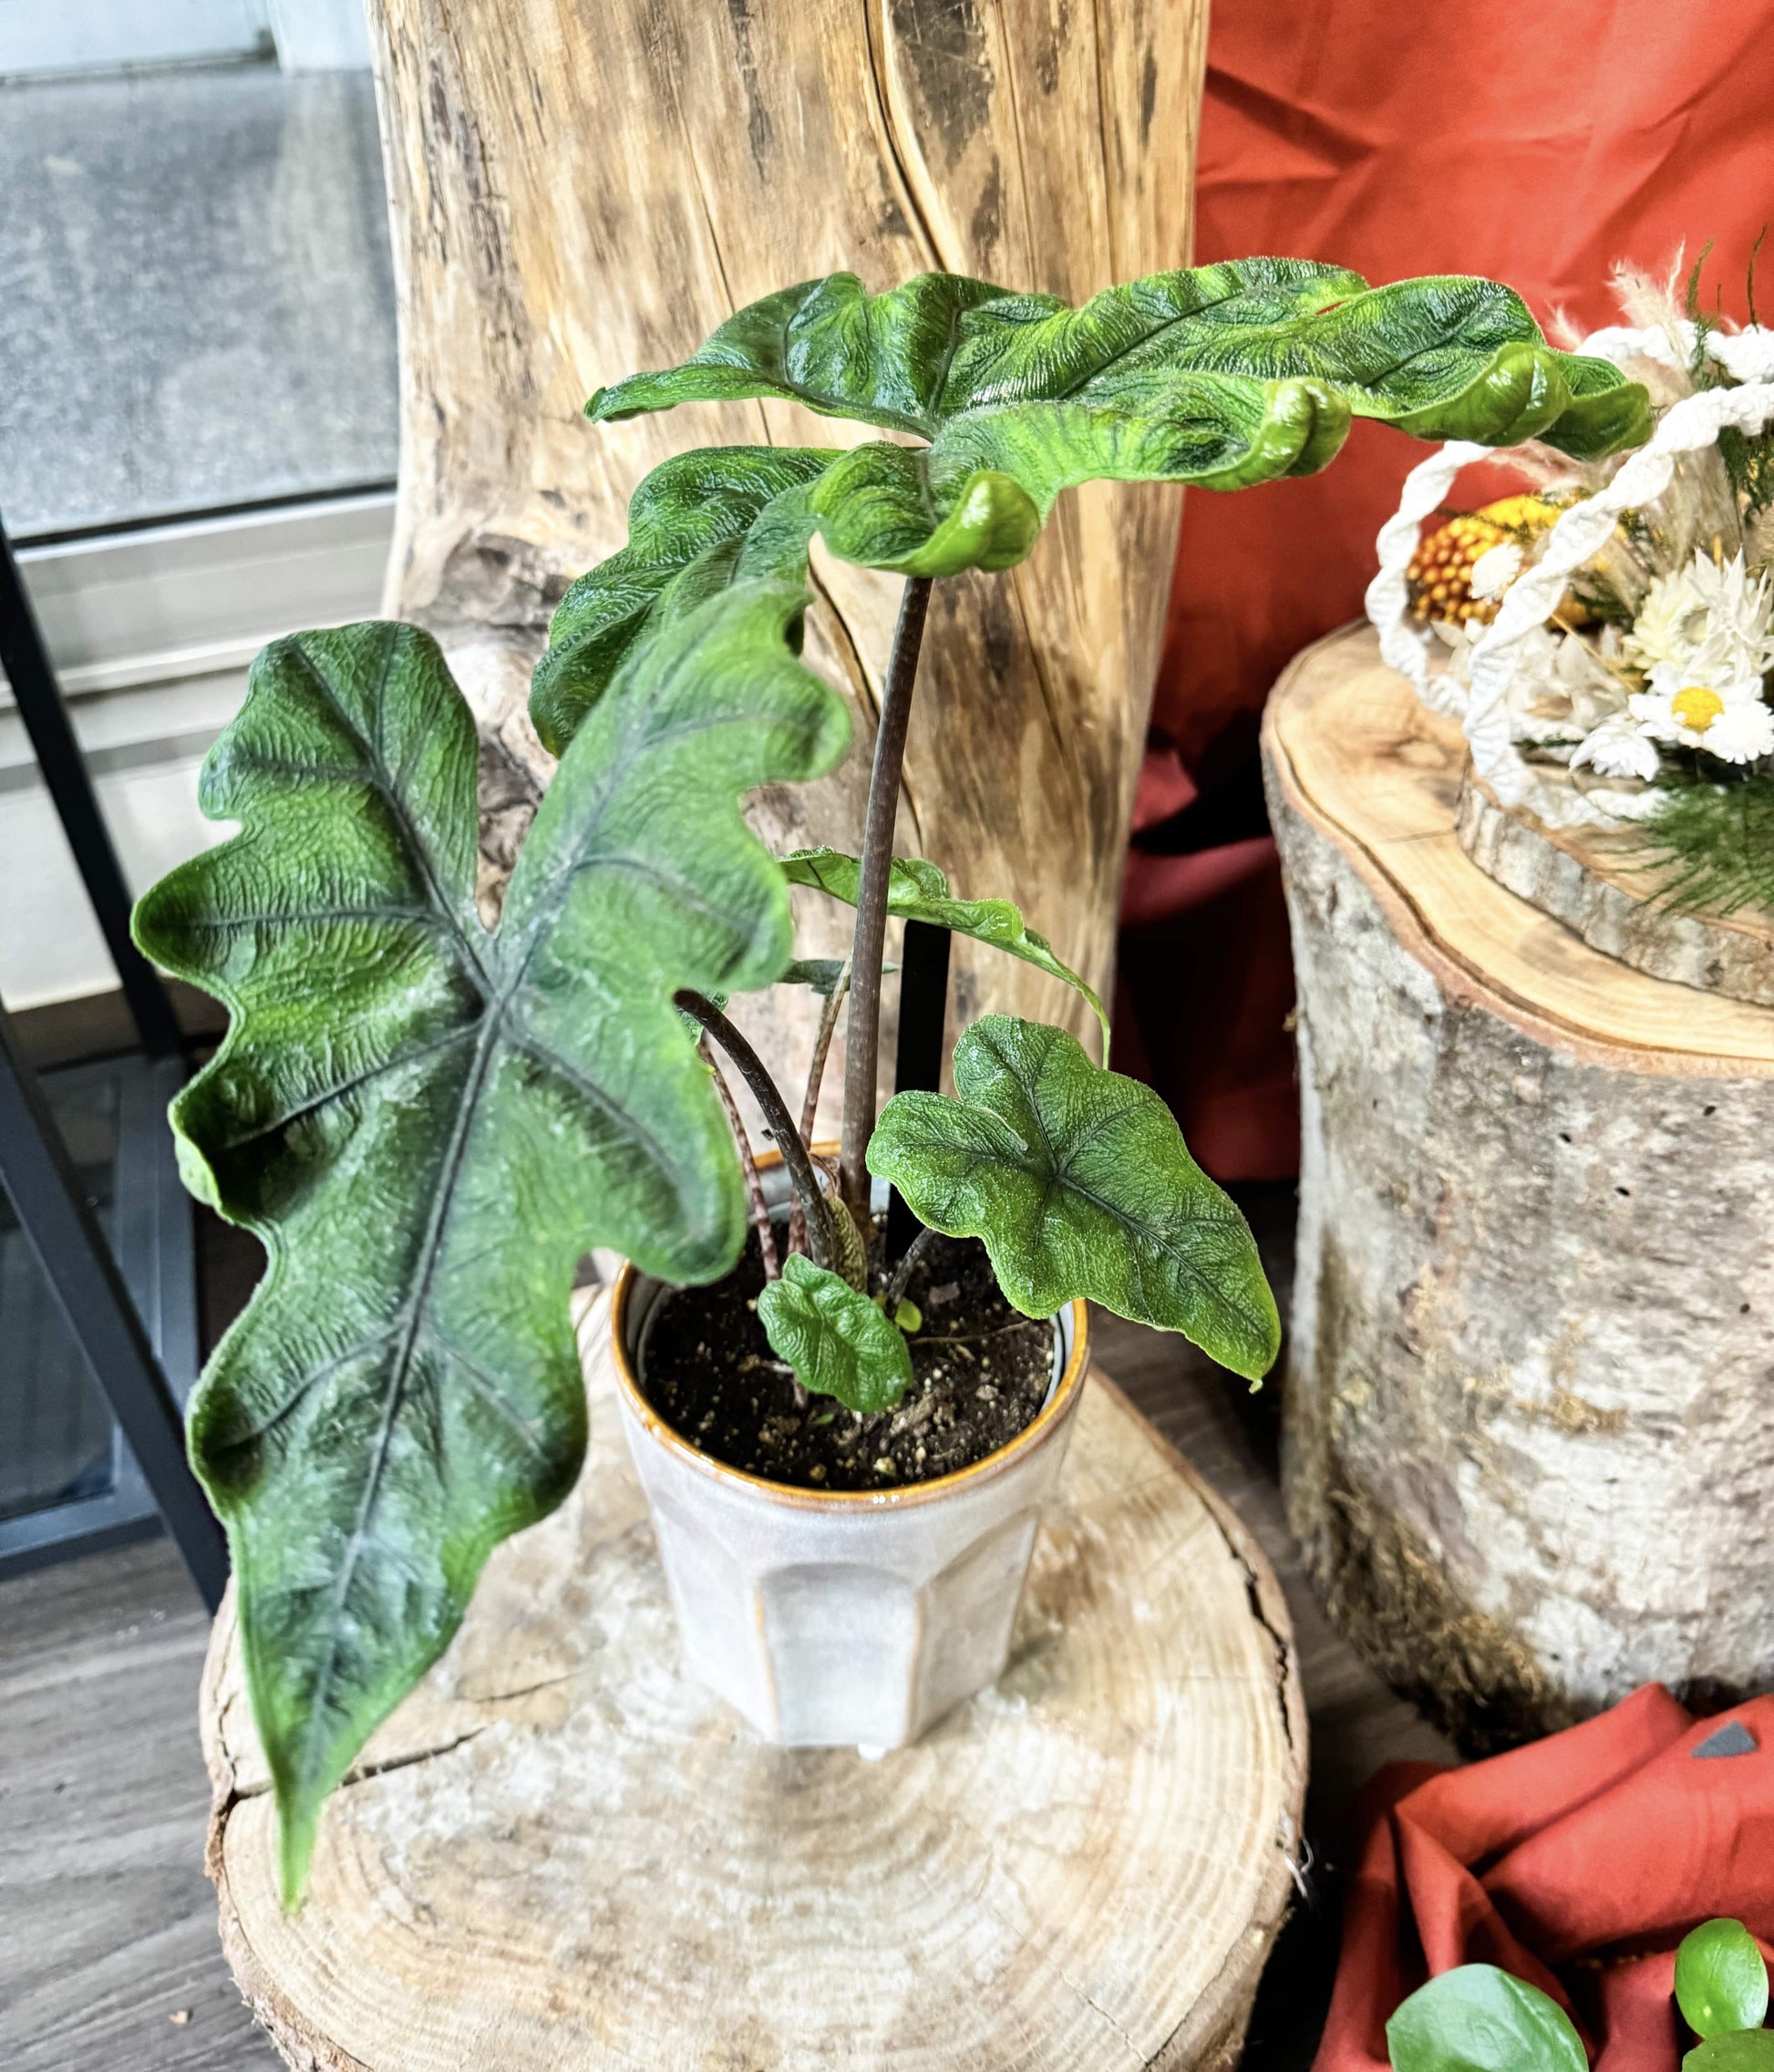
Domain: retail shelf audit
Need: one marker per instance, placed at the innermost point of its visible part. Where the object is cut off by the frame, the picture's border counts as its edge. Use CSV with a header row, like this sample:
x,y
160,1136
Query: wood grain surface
x,y
561,1853
1526,1420
578,192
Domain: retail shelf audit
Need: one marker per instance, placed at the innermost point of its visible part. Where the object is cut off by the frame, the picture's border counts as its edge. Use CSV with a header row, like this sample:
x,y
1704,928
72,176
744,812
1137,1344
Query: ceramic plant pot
x,y
842,1617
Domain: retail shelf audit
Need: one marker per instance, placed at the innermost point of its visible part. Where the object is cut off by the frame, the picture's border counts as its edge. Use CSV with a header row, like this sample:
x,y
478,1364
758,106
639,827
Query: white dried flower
x,y
1671,623
1495,568
1706,704
1618,747
1738,613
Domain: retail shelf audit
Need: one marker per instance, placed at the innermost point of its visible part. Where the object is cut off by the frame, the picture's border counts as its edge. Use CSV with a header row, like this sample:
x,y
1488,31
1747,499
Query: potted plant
x,y
428,1122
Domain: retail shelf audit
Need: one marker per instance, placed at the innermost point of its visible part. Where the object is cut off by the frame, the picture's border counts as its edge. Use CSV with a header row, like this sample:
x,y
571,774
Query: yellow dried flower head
x,y
1439,577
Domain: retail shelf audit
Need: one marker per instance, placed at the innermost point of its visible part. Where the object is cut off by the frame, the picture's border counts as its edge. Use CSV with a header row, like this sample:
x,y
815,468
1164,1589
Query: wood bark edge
x,y
1587,879
1462,980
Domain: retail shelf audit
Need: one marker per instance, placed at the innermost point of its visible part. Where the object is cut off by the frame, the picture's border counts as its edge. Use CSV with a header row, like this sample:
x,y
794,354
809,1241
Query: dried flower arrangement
x,y
1607,636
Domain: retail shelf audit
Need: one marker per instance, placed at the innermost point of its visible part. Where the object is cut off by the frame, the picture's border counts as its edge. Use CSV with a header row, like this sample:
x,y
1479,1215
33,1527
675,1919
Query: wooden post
x,y
580,190
1527,1436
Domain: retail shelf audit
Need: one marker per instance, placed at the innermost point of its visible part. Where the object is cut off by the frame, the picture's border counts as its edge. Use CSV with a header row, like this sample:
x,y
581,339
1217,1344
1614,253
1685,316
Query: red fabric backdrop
x,y
1538,145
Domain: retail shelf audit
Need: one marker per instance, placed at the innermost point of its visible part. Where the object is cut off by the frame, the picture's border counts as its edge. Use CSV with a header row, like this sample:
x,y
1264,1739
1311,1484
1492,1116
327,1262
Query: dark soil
x,y
981,1371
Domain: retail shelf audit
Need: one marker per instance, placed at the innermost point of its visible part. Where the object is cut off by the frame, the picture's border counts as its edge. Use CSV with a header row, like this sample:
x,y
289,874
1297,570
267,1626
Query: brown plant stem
x,y
863,1043
760,1209
778,1121
900,1279
810,1104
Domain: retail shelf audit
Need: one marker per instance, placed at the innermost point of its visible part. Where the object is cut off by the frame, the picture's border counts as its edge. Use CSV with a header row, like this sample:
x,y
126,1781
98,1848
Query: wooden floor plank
x,y
107,1922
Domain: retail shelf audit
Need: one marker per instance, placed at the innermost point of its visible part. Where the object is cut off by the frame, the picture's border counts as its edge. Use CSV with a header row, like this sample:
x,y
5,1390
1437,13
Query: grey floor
x,y
196,296
107,1943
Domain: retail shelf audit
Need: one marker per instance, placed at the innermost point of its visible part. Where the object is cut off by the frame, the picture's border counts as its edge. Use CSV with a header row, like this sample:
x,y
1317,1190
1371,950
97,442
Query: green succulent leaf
x,y
1476,2018
428,1125
1721,1979
1079,1184
835,1338
1224,374
1739,2050
918,891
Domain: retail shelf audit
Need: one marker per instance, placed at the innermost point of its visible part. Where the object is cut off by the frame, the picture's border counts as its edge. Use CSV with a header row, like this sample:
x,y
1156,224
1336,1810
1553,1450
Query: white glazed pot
x,y
842,1617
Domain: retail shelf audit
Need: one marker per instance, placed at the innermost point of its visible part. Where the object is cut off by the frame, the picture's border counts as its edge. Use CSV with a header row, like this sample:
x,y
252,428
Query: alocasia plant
x,y
427,1123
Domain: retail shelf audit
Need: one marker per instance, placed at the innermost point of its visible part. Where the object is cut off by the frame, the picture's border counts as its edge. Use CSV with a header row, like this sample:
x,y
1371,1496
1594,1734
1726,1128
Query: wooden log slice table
x,y
560,1854
1527,1439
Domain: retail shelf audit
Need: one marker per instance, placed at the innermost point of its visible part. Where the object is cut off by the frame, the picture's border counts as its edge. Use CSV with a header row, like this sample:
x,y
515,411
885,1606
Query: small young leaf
x,y
821,973
1079,1183
847,1246
834,1337
1739,2050
1476,2018
918,891
908,1315
1721,1981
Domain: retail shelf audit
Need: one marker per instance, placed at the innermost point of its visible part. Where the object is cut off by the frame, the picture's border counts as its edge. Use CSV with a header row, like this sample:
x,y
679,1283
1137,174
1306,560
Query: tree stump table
x,y
560,1854
1527,1442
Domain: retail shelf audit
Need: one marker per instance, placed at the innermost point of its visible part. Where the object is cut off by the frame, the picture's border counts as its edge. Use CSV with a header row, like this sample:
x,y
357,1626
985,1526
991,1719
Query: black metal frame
x,y
918,1056
35,1169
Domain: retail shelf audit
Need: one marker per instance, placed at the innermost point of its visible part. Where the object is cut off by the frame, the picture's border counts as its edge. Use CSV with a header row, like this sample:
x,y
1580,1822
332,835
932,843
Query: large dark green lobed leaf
x,y
919,891
1078,1183
428,1125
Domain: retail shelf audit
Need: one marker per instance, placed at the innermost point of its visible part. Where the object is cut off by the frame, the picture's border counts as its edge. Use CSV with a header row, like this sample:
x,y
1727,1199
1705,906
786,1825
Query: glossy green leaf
x,y
918,891
428,1125
835,1338
1721,1979
1223,377
1224,374
689,526
746,514
1476,2018
1739,2050
1078,1183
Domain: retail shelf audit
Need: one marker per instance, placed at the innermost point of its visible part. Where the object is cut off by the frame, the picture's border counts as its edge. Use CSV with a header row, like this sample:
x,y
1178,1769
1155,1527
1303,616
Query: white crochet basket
x,y
1686,427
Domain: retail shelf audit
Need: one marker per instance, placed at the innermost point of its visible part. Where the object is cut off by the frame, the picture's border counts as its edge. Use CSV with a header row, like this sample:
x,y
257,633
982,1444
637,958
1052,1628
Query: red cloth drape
x,y
1577,1863
1536,145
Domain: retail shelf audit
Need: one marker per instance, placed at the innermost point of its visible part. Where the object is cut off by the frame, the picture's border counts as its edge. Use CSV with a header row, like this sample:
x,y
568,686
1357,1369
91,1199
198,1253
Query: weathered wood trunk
x,y
559,1855
580,190
1527,1448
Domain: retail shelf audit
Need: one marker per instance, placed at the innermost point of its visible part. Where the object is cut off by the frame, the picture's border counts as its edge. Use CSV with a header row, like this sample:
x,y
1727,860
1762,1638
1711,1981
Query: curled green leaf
x,y
428,1125
918,891
1477,2018
689,525
1721,1979
835,1338
1270,356
1079,1184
